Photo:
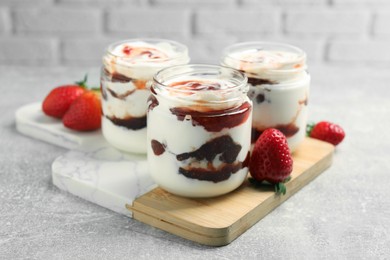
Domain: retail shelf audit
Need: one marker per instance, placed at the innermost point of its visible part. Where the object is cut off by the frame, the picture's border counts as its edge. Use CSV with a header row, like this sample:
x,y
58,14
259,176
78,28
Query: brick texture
x,y
327,22
382,23
4,21
195,3
359,52
353,3
220,22
285,2
144,21
102,3
84,51
57,20
208,50
76,32
28,51
26,2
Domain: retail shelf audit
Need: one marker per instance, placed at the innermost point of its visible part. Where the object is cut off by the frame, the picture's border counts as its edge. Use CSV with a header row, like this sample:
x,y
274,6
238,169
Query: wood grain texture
x,y
218,221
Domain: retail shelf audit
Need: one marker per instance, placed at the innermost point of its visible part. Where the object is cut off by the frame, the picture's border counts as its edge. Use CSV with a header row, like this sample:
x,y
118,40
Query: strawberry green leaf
x,y
280,188
309,128
83,84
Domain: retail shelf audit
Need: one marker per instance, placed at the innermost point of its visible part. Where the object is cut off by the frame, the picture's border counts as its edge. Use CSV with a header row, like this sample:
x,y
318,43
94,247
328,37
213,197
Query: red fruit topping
x,y
271,159
326,131
127,50
85,113
196,85
137,52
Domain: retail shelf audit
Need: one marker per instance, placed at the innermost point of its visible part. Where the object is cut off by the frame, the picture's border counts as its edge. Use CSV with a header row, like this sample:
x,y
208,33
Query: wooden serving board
x,y
97,172
218,221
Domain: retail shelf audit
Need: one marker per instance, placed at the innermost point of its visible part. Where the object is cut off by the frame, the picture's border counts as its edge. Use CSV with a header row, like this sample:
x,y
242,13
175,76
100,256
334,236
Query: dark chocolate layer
x,y
222,146
257,81
133,123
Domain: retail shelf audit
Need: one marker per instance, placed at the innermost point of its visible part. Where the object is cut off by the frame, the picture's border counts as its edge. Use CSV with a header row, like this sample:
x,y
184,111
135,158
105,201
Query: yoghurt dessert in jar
x,y
279,86
199,127
128,68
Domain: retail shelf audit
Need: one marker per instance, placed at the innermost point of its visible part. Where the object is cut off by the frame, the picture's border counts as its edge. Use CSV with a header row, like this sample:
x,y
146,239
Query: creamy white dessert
x,y
128,68
199,130
279,86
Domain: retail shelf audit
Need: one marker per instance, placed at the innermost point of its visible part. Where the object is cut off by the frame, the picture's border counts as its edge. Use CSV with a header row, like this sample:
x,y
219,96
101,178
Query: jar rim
x,y
240,83
182,49
228,51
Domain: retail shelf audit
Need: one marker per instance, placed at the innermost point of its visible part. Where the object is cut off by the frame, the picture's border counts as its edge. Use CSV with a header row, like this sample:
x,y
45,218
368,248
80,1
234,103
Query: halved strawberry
x,y
58,101
84,114
271,159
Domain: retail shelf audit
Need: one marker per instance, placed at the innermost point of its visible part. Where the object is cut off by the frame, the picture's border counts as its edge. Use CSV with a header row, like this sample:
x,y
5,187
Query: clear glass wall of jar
x,y
279,86
127,71
199,127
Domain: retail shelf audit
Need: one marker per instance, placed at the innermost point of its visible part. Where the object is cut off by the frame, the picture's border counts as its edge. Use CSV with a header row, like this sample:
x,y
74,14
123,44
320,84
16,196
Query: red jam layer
x,y
215,120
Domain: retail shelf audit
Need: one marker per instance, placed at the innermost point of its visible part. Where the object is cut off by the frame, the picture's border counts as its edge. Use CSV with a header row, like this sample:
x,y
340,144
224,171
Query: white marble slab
x,y
92,170
103,176
31,121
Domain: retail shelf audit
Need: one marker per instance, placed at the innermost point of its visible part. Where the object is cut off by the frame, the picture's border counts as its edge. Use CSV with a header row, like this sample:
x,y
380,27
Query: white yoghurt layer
x,y
284,107
280,101
180,137
136,64
220,96
273,65
126,98
124,139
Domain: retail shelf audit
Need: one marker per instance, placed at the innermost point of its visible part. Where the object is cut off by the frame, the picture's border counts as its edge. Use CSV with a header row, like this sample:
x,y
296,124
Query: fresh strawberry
x,y
326,131
271,159
84,114
58,101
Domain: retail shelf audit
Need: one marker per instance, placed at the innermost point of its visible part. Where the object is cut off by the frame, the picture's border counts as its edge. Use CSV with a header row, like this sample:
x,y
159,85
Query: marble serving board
x,y
92,169
99,173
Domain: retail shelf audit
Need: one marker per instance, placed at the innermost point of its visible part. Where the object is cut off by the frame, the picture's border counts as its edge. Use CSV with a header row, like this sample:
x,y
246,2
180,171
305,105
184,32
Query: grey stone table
x,y
342,214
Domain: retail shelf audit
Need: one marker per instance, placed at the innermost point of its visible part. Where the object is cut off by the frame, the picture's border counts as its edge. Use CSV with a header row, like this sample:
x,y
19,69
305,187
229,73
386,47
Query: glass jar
x,y
279,86
199,127
128,68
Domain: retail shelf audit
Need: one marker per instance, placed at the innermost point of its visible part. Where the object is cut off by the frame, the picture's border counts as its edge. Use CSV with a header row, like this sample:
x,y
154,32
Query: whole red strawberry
x,y
58,101
271,159
84,114
326,131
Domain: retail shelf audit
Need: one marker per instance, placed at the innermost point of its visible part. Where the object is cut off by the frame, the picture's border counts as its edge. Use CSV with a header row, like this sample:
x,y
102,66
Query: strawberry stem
x,y
309,128
280,188
83,84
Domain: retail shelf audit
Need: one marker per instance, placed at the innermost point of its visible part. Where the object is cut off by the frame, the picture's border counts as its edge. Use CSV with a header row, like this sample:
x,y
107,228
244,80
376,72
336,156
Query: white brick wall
x,y
382,23
148,21
4,21
236,21
327,22
28,51
57,20
76,32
